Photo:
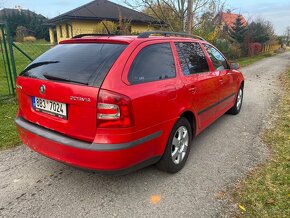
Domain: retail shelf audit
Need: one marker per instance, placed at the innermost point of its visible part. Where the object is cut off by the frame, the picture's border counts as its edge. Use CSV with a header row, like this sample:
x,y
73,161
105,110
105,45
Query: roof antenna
x,y
108,31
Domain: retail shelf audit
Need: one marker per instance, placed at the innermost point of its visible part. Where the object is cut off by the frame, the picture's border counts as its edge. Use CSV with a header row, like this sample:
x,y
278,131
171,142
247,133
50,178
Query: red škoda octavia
x,y
119,103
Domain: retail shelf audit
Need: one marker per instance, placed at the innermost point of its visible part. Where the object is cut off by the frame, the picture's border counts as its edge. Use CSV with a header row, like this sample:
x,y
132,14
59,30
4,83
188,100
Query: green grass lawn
x,y
8,133
245,61
33,49
8,103
3,83
266,191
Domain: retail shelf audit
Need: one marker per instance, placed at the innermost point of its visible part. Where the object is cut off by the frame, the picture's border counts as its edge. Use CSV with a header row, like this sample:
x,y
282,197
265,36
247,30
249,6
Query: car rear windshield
x,y
82,63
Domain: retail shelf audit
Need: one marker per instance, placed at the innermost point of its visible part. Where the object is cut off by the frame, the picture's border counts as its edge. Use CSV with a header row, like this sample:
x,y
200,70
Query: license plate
x,y
53,108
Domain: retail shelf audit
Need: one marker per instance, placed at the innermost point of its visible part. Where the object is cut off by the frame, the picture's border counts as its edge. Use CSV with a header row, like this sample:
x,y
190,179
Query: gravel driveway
x,y
34,186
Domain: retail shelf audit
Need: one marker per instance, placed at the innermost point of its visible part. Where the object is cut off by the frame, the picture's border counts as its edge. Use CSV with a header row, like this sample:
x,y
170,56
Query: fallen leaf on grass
x,y
270,201
242,207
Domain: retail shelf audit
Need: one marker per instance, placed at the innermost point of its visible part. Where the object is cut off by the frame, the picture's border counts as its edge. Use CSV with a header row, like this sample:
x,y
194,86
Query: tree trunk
x,y
189,16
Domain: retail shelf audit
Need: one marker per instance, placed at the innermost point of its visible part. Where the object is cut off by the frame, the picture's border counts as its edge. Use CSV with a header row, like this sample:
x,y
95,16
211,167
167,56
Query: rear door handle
x,y
221,80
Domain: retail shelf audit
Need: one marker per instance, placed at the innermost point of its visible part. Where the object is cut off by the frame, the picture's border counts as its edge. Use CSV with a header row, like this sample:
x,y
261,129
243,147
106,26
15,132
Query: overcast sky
x,y
276,11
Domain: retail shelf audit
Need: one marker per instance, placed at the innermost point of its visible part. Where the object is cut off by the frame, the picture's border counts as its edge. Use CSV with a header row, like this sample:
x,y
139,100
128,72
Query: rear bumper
x,y
106,158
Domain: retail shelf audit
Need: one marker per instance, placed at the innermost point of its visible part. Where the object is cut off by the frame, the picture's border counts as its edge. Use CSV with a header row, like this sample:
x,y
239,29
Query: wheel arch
x,y
242,84
189,115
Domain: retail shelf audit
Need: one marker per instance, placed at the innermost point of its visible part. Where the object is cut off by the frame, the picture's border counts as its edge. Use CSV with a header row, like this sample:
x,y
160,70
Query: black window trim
x,y
142,46
205,55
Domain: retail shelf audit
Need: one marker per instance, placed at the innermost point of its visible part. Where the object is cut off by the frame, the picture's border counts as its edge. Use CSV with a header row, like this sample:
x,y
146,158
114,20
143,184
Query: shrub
x,y
29,39
100,27
21,32
230,50
224,46
135,33
235,50
254,48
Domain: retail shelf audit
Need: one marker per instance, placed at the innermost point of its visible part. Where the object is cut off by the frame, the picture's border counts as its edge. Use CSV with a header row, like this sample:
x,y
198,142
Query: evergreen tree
x,y
260,31
238,31
25,18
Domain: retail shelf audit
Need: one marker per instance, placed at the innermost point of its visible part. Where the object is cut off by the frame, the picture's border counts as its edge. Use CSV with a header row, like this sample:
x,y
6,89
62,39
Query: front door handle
x,y
192,90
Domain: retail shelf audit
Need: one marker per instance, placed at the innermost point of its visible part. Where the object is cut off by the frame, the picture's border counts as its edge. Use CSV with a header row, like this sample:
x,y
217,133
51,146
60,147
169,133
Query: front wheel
x,y
177,148
238,104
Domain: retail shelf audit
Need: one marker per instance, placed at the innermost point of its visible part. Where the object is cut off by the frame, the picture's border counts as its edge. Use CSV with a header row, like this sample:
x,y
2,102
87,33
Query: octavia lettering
x,y
76,98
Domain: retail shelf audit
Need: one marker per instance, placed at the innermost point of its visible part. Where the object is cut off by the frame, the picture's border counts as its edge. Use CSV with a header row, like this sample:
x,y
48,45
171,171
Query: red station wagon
x,y
119,103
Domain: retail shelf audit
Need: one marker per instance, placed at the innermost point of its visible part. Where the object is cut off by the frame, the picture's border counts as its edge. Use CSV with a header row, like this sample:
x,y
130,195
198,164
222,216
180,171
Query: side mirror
x,y
235,66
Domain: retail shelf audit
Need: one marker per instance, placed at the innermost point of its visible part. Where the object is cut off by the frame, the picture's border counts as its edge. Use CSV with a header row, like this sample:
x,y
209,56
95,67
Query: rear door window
x,y
192,58
219,62
82,63
154,62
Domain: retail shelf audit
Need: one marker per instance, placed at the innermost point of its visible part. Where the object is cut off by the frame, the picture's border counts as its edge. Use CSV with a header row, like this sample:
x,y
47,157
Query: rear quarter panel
x,y
156,105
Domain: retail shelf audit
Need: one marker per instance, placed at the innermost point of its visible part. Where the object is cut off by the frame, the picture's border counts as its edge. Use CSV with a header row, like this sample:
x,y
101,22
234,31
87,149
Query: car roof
x,y
124,39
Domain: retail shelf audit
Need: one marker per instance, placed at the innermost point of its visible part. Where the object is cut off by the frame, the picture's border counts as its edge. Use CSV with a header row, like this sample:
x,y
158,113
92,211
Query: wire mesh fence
x,y
15,54
25,52
5,74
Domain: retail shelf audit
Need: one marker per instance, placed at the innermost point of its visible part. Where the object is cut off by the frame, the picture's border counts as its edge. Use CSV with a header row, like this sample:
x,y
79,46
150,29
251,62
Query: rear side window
x,y
218,61
192,58
154,62
83,63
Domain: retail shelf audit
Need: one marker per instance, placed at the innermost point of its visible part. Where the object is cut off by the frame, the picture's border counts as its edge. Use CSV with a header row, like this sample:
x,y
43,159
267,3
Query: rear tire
x,y
238,104
177,148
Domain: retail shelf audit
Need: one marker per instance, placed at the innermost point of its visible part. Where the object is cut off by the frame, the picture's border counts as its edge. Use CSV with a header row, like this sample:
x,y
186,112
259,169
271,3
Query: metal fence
x,y
16,52
7,66
15,56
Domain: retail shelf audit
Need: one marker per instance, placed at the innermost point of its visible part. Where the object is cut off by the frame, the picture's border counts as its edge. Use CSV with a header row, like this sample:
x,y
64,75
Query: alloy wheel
x,y
179,145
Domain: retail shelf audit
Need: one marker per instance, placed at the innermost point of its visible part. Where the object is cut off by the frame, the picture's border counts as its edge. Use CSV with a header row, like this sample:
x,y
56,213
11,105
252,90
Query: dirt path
x,y
34,186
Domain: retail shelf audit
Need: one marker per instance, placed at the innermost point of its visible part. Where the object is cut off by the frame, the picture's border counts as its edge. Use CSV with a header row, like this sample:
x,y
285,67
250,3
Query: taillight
x,y
114,110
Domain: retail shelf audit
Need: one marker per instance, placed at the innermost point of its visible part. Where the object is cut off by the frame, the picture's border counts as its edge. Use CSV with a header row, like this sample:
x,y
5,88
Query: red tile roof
x,y
229,19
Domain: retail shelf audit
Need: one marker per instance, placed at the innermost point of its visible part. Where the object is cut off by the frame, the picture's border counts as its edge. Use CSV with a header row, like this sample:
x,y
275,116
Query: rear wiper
x,y
37,64
56,78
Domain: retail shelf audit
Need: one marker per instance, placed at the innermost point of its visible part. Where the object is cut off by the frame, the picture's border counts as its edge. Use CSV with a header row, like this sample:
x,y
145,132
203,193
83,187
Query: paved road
x,y
34,186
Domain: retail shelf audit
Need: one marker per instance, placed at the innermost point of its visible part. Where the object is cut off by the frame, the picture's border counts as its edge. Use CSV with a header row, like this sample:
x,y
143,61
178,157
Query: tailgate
x,y
80,104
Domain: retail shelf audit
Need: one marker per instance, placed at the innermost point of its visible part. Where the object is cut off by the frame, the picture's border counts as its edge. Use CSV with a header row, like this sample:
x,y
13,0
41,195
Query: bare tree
x,y
189,16
287,35
173,13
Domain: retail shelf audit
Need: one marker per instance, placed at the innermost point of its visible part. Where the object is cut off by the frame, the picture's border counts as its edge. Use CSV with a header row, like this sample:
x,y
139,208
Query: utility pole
x,y
189,16
288,35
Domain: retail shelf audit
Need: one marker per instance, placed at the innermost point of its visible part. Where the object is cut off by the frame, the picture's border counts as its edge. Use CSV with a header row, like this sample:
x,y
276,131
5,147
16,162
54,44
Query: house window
x,y
60,31
67,30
